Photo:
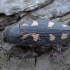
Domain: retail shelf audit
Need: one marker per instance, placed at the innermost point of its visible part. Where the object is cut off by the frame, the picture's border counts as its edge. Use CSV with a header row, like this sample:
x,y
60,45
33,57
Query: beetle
x,y
37,33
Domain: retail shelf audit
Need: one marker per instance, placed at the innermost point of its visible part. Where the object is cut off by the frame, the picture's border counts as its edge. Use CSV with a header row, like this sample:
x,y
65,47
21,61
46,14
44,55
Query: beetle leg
x,y
65,48
39,50
55,55
58,48
26,54
35,60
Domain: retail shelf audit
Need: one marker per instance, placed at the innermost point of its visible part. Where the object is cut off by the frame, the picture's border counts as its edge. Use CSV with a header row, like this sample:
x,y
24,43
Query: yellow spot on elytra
x,y
50,24
35,36
25,24
64,36
35,23
25,36
52,37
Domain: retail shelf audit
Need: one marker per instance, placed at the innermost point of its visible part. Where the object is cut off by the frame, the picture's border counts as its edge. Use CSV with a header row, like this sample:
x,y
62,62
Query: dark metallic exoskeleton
x,y
37,33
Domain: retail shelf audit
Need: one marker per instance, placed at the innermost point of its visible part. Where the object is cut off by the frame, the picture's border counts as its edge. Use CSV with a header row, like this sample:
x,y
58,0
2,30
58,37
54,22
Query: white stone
x,y
9,7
